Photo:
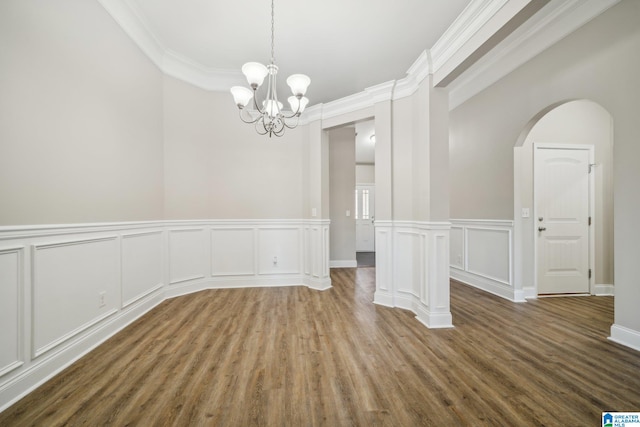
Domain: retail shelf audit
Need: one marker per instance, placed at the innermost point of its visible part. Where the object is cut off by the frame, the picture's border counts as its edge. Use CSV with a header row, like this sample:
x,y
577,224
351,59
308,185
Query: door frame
x,y
592,210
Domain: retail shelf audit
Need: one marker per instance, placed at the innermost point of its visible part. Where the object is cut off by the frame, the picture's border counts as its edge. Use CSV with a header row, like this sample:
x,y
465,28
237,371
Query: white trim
x,y
509,280
475,16
22,376
592,191
344,263
431,306
486,284
416,74
57,360
19,251
551,24
494,285
500,223
601,290
625,336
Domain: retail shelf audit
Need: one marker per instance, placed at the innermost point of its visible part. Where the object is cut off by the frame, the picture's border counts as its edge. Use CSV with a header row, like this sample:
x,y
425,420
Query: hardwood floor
x,y
297,357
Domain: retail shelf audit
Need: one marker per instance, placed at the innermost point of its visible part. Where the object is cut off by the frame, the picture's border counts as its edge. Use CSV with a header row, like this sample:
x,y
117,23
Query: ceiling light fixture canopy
x,y
268,116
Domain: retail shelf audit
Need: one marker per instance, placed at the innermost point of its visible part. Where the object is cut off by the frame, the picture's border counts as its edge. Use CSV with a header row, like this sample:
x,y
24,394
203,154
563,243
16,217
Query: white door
x,y
562,219
365,202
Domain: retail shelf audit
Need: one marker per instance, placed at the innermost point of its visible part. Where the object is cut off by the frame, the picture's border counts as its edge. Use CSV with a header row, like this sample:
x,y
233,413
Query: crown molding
x,y
382,92
134,25
347,104
419,70
192,72
551,24
312,114
468,23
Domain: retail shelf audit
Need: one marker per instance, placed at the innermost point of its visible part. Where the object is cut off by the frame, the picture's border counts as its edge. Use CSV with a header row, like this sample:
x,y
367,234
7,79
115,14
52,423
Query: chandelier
x,y
268,116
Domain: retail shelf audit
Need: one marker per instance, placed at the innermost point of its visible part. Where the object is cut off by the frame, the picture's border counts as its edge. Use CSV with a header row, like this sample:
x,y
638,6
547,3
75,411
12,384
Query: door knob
x,y
542,228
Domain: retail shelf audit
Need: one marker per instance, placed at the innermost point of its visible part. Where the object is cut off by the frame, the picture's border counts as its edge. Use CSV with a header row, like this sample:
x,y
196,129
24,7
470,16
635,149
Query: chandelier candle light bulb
x,y
270,119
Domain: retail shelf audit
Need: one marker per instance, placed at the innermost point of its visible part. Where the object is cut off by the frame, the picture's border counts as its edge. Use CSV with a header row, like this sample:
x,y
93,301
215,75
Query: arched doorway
x,y
569,123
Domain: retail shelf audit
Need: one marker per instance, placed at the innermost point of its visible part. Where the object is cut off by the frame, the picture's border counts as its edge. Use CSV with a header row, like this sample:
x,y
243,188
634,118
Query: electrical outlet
x,y
101,299
459,259
275,260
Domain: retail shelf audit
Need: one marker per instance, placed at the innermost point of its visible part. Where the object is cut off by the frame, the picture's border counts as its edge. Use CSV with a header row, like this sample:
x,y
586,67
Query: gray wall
x,y
597,62
342,184
217,167
80,117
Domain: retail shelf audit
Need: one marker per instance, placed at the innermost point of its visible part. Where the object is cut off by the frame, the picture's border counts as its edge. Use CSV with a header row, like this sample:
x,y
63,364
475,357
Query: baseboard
x,y
487,285
319,284
50,365
383,298
625,336
433,320
237,282
343,263
604,290
530,292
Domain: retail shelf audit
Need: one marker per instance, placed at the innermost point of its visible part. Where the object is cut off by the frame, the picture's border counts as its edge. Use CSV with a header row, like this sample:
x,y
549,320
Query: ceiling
x,y
343,46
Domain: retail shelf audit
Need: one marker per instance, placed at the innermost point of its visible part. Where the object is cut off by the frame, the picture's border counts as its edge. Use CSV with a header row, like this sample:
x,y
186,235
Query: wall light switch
x,y
314,212
525,212
348,212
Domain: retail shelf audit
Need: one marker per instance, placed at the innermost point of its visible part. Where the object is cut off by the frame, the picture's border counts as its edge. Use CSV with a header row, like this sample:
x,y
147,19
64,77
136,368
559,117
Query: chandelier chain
x,y
273,56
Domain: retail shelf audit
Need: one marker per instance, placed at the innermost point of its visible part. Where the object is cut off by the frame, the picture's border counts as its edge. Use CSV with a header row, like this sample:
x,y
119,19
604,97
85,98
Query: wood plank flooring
x,y
298,357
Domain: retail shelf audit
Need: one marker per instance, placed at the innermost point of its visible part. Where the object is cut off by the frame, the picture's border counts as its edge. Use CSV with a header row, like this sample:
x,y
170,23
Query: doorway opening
x,y
563,202
352,194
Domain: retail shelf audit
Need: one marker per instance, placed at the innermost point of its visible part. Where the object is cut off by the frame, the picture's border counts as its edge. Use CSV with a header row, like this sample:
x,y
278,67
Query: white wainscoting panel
x,y
10,309
279,251
316,265
414,256
233,251
188,256
82,283
75,285
142,265
456,245
407,267
384,294
481,255
489,253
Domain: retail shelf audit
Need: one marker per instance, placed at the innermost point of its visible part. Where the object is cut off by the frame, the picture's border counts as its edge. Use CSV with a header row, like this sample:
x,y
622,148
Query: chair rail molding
x,y
67,288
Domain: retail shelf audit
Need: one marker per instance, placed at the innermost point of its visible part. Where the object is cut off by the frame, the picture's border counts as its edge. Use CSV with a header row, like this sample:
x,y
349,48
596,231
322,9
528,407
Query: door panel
x,y
365,203
562,223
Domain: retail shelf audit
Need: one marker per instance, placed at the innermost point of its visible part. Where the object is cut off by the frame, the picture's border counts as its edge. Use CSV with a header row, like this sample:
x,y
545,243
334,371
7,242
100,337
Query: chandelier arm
x,y
255,102
259,122
296,114
251,120
292,126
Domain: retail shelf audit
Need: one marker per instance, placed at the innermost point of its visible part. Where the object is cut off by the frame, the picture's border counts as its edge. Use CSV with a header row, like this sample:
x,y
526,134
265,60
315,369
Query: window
x,y
362,204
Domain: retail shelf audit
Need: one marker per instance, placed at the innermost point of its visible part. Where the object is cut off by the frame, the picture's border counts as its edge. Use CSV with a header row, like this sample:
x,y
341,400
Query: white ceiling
x,y
344,46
